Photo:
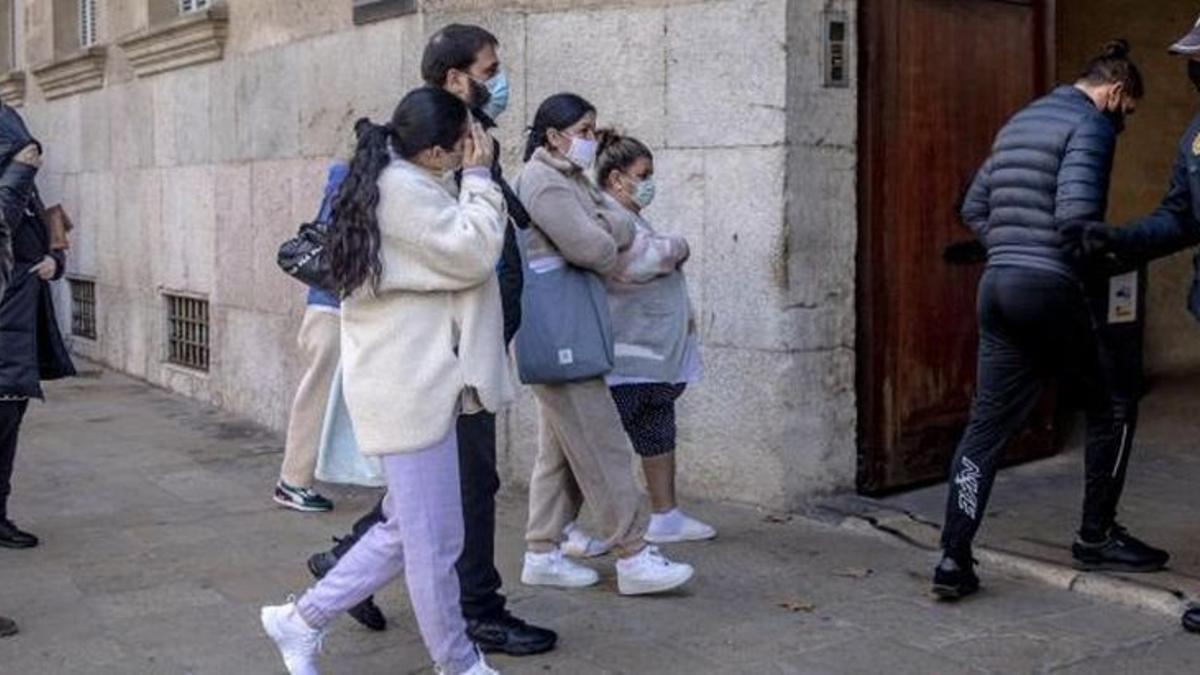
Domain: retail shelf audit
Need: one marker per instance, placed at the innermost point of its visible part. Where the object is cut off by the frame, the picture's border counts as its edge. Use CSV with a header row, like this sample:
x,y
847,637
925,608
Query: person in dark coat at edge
x,y
1048,172
462,59
1172,227
31,347
8,627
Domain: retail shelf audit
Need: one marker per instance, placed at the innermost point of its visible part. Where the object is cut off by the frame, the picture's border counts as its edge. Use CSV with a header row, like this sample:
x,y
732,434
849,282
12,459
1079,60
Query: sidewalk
x,y
160,543
1034,509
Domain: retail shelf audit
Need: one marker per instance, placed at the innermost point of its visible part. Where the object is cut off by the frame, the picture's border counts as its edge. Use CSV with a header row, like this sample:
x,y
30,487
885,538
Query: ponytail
x,y
425,118
354,247
1114,66
617,153
536,138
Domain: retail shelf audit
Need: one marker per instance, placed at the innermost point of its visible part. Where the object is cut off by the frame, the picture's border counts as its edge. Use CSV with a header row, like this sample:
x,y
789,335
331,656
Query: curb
x,y
903,528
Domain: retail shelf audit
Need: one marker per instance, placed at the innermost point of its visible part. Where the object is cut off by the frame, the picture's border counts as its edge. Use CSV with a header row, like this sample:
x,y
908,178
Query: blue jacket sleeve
x,y
1083,176
976,205
1170,228
333,181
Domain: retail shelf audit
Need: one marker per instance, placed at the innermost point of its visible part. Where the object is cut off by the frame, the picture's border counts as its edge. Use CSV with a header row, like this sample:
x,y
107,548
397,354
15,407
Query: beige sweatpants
x,y
583,453
320,344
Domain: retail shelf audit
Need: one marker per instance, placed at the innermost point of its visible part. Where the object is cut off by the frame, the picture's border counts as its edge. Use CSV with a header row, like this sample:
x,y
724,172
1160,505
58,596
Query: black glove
x,y
1094,247
965,253
1085,240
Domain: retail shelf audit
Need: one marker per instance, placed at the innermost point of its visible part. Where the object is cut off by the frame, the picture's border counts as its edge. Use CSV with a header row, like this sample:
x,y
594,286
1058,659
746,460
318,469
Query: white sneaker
x,y
580,544
552,569
481,667
298,643
676,526
650,572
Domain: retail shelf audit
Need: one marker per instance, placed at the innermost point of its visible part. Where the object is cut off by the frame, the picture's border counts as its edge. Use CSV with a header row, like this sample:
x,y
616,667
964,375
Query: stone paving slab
x,y
161,542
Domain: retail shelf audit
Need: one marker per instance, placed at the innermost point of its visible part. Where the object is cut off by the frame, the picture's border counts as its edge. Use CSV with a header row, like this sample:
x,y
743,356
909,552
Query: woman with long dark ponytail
x,y
583,452
414,257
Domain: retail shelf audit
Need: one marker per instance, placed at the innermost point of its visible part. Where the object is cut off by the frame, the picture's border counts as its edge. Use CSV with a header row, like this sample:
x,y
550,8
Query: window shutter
x,y
188,6
87,23
12,36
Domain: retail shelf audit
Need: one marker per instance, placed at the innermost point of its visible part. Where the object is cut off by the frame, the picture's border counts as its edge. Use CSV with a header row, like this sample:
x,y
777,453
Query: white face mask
x,y
582,152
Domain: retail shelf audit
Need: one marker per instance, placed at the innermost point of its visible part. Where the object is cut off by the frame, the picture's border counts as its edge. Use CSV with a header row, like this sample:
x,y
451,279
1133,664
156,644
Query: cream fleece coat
x,y
429,342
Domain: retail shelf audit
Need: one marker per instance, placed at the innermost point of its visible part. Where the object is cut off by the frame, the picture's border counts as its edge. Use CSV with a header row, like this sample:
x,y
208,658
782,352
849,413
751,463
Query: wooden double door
x,y
938,79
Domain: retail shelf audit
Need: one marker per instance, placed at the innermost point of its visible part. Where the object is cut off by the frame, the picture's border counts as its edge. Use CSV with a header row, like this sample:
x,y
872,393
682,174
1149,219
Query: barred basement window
x,y
83,308
369,11
87,23
187,331
189,6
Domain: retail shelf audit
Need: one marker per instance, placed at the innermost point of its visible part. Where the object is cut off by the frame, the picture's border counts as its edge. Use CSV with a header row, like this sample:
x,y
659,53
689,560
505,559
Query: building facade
x,y
188,138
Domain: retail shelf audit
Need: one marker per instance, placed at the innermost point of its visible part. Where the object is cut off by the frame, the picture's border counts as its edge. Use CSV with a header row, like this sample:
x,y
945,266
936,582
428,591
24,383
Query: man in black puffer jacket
x,y
1049,167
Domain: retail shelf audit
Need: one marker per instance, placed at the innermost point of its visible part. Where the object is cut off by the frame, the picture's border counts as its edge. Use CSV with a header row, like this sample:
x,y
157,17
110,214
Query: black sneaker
x,y
12,537
1121,552
509,635
366,612
955,579
300,499
8,627
1191,620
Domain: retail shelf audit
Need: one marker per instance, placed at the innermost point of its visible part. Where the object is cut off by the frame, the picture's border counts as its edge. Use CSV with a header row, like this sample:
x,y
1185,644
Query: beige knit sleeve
x,y
578,234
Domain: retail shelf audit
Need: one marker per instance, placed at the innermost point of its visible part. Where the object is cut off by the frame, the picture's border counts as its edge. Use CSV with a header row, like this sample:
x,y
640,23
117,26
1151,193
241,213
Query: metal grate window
x,y
187,332
369,11
87,23
189,6
83,308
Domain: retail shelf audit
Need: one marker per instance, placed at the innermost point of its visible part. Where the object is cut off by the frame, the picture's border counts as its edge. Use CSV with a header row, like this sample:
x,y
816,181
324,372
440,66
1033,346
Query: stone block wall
x,y
189,179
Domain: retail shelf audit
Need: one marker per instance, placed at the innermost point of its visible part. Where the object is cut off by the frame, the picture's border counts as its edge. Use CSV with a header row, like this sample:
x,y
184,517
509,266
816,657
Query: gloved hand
x,y
1083,240
1094,247
965,253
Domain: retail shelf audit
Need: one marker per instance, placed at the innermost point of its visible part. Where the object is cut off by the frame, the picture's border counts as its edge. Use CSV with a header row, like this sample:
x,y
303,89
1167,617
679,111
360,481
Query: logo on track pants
x,y
967,481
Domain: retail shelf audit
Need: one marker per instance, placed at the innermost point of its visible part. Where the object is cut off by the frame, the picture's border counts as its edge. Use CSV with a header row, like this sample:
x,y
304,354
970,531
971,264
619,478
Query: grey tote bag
x,y
566,331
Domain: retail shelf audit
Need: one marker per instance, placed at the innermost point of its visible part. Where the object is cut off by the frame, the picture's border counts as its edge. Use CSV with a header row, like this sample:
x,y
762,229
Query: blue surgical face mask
x,y
497,101
643,192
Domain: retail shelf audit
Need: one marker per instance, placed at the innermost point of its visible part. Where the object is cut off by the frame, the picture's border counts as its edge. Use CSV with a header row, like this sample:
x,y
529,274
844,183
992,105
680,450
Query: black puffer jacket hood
x,y
14,135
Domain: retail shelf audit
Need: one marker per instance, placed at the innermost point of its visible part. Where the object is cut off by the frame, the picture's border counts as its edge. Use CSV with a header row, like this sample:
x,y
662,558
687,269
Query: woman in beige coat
x,y
422,340
583,452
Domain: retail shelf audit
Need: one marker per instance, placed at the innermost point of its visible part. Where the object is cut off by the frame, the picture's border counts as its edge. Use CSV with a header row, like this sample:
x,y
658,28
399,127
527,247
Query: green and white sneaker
x,y
300,499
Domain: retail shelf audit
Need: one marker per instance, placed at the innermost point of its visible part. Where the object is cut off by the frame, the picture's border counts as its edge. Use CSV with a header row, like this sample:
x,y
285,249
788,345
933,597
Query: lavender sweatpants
x,y
423,538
